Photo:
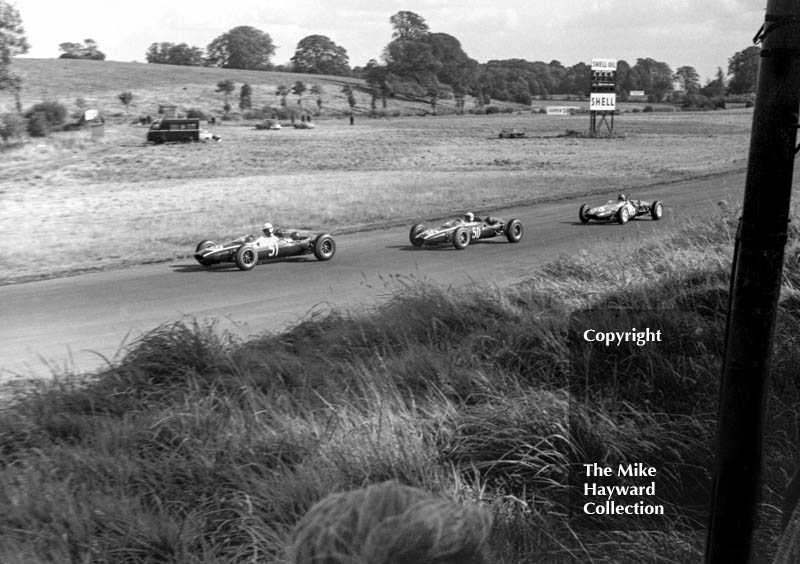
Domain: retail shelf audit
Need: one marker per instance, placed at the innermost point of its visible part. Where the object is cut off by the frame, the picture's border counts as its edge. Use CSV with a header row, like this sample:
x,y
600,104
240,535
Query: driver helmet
x,y
469,216
622,198
267,229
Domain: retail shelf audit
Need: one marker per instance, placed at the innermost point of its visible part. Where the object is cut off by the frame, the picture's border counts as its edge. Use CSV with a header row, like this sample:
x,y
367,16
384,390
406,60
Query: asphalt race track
x,y
74,323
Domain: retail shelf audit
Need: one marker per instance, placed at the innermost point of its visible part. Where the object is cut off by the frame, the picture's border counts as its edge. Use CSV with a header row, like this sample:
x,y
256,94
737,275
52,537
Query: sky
x,y
702,34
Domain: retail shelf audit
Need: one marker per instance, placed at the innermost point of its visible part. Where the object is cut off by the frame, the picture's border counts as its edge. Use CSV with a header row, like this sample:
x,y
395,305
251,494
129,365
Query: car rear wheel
x,y
246,257
582,213
324,247
202,245
414,235
624,215
514,231
461,238
657,210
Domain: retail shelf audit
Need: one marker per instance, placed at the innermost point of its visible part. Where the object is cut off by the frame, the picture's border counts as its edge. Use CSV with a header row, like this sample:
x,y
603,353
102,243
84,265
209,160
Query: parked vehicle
x,y
182,130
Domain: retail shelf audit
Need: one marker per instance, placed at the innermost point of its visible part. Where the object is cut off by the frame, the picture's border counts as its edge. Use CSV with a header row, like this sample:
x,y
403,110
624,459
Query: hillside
x,y
100,82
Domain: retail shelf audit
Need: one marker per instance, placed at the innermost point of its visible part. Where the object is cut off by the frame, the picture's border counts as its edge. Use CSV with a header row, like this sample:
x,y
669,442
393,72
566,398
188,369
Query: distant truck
x,y
181,130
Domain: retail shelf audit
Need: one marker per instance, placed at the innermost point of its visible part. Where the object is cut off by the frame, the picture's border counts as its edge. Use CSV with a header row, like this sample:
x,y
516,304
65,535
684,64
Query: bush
x,y
647,109
53,113
196,113
12,126
697,102
262,113
492,110
38,125
281,113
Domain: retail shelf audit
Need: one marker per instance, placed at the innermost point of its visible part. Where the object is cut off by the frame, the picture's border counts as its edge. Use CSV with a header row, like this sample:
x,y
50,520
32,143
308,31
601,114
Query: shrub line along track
x,y
74,323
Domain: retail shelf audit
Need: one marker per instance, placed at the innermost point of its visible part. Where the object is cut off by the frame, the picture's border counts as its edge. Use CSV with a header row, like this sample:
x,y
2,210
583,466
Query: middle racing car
x,y
248,250
621,210
462,231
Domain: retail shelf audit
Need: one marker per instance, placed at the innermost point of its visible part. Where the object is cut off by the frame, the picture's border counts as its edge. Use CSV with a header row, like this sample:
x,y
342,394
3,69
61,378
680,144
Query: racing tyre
x,y
582,213
656,210
246,257
324,247
461,238
624,215
413,235
514,231
204,244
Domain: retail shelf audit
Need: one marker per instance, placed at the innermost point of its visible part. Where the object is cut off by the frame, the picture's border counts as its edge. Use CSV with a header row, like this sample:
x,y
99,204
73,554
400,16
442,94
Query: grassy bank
x,y
197,447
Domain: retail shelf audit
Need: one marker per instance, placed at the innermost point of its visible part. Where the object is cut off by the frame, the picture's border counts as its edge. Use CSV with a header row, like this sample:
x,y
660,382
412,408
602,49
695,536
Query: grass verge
x,y
198,447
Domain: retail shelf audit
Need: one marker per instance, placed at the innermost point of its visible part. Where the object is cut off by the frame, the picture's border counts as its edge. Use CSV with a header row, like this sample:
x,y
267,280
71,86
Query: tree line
x,y
416,63
432,65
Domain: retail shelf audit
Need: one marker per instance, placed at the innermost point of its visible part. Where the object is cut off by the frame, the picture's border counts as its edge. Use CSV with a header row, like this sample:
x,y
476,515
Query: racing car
x,y
248,250
462,231
621,210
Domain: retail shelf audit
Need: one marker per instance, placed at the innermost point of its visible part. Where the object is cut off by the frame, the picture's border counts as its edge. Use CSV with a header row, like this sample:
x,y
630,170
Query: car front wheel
x,y
657,210
414,235
246,257
582,213
514,231
461,238
324,247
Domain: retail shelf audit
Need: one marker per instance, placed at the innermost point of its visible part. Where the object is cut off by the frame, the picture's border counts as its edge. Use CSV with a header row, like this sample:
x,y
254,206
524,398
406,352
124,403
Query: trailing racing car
x,y
621,210
248,250
462,231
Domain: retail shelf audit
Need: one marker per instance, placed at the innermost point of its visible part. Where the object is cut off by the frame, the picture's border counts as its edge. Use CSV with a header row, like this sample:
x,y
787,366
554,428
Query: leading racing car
x,y
621,210
462,231
248,250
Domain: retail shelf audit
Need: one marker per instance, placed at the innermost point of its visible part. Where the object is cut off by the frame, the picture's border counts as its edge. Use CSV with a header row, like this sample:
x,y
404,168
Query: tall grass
x,y
198,447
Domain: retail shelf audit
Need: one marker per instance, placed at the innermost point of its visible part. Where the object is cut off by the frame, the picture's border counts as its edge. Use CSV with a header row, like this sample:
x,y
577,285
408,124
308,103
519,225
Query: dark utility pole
x,y
755,286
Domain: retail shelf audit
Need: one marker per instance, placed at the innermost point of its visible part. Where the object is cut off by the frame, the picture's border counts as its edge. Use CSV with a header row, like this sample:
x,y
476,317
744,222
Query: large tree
x,y
715,88
318,54
408,26
12,43
743,70
12,35
166,53
456,69
688,79
86,50
654,77
242,47
411,66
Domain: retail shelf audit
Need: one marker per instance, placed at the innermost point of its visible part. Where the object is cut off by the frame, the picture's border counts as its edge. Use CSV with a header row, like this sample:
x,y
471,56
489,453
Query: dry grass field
x,y
119,200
